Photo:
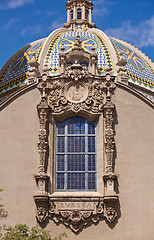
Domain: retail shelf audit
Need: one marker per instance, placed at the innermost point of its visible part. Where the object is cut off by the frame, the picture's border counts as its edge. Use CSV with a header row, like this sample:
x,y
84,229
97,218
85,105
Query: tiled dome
x,y
139,70
88,38
14,74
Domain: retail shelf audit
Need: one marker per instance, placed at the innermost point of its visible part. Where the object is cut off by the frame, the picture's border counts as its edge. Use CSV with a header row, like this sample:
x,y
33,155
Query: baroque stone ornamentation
x,y
33,70
41,207
65,96
76,214
122,70
76,72
110,203
108,109
76,90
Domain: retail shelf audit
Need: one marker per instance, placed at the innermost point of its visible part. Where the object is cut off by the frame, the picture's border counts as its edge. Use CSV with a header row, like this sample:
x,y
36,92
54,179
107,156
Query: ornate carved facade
x,y
77,90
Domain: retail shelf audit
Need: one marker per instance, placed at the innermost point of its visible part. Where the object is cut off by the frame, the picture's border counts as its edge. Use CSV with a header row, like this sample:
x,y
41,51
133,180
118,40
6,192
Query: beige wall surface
x,y
134,136
19,158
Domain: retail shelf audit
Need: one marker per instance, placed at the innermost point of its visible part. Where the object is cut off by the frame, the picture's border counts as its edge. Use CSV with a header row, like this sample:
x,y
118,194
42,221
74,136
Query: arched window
x,y
76,155
87,14
71,15
79,13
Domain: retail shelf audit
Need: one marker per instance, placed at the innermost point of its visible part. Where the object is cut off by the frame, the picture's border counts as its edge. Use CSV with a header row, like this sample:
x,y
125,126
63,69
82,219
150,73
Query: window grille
x,y
76,155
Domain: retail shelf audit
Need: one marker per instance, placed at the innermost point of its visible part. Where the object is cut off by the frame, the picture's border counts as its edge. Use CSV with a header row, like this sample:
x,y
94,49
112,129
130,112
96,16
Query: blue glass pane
x,y
76,144
91,144
76,162
76,181
91,163
91,127
60,162
91,181
76,125
61,127
60,181
61,144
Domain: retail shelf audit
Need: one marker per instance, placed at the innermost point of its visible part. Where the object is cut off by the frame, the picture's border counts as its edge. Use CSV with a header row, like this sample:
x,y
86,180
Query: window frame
x,y
99,153
66,153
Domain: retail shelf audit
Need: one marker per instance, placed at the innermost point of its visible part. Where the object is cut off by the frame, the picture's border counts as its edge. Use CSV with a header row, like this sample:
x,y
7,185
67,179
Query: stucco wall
x,y
134,165
19,157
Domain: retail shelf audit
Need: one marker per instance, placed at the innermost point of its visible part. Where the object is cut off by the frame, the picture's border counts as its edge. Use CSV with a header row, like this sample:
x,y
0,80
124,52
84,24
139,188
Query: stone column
x,y
83,12
68,14
90,14
74,10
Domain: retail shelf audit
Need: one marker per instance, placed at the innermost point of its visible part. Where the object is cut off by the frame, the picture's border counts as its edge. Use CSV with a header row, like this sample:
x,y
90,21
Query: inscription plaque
x,y
90,206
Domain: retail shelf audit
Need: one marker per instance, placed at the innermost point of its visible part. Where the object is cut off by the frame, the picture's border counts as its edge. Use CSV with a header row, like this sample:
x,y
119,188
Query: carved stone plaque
x,y
76,206
76,92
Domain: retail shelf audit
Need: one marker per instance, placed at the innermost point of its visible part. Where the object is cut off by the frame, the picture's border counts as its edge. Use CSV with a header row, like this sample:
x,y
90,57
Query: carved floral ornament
x,y
76,90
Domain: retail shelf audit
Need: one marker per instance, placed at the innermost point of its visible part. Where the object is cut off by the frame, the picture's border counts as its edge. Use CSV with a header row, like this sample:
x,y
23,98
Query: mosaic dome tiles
x,y
140,73
15,75
67,38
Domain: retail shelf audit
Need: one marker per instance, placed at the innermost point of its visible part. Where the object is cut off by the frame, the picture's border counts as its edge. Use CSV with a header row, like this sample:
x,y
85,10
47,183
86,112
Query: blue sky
x,y
24,21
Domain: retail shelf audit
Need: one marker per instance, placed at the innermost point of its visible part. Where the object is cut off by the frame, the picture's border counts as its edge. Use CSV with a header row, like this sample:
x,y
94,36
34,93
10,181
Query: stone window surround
x,y
94,102
99,153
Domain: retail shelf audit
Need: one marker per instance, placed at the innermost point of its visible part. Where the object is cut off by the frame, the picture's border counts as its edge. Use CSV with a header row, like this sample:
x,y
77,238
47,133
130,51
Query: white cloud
x,y
11,24
101,7
141,35
36,30
56,24
11,4
39,30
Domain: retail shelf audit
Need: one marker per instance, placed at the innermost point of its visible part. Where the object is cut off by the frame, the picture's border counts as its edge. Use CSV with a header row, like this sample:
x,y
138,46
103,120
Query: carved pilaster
x,y
110,197
108,118
43,141
43,111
